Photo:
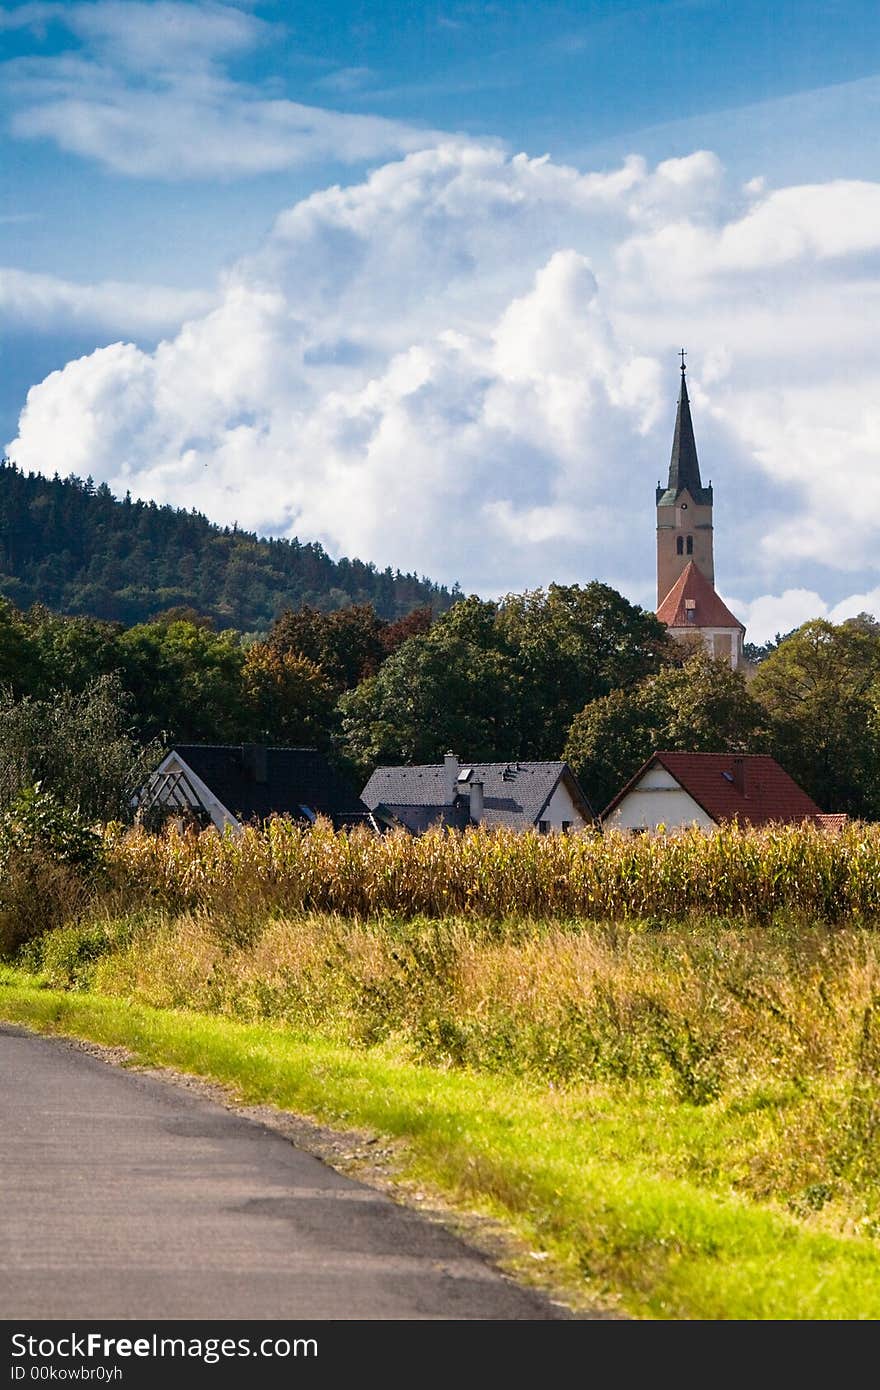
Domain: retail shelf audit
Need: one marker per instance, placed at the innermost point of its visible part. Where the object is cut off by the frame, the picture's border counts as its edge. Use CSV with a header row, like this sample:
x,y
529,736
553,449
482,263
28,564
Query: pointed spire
x,y
684,466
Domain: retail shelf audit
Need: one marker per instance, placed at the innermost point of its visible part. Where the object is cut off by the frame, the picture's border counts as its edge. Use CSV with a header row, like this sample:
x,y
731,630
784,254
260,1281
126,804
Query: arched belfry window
x,y
690,545
679,545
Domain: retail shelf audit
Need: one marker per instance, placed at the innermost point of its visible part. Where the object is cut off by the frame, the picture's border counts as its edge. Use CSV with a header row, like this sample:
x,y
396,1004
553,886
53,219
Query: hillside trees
x,y
74,547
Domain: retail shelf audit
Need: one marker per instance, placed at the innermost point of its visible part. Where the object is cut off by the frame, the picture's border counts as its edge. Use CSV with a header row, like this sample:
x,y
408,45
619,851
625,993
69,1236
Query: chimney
x,y
451,771
739,775
253,762
476,802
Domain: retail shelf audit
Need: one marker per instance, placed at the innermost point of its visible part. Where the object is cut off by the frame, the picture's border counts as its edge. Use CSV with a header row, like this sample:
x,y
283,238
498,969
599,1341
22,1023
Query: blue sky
x,y
410,279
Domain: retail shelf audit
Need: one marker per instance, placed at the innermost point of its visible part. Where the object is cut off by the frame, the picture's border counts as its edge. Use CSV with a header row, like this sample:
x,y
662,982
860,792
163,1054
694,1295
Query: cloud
x,y
44,303
788,227
345,80
454,365
774,615
148,95
163,35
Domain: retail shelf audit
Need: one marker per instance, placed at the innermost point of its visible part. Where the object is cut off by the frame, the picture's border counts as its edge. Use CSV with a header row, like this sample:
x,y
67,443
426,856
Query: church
x,y
686,599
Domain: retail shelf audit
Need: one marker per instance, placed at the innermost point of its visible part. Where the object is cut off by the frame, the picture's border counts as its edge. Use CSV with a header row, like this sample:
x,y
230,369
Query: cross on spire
x,y
682,354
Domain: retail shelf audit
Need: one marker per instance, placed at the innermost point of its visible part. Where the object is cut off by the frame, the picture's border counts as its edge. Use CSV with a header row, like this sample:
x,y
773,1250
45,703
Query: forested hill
x,y
73,547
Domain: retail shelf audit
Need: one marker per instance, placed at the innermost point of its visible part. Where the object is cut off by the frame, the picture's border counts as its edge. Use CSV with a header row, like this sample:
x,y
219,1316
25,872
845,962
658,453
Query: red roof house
x,y
708,789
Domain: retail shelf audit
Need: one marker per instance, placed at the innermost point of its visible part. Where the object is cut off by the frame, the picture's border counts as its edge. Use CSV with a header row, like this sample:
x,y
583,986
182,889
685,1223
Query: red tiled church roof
x,y
692,586
750,786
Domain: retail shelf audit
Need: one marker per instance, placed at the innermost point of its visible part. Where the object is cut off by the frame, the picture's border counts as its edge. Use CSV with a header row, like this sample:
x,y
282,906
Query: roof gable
x,y
750,787
253,781
693,594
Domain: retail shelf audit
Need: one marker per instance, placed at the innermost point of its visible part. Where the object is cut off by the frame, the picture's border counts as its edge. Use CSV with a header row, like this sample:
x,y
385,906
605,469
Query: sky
x,y
411,280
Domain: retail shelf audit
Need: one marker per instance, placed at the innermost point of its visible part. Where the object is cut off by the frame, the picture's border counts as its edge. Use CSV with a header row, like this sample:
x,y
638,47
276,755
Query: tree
x,y
415,624
79,746
821,691
289,699
71,653
346,644
185,680
435,693
571,645
498,681
20,666
700,706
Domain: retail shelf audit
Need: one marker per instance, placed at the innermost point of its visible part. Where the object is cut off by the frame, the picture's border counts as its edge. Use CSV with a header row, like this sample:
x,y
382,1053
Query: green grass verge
x,y
578,1173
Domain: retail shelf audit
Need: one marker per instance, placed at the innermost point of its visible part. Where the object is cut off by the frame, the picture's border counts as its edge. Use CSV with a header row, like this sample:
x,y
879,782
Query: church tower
x,y
686,599
684,507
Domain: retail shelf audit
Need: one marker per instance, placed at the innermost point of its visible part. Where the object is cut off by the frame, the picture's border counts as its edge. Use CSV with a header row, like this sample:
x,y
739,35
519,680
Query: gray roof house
x,y
227,784
540,796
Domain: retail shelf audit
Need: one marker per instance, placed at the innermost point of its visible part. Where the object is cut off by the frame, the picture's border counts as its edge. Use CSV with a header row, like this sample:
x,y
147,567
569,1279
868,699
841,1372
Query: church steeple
x,y
684,466
684,506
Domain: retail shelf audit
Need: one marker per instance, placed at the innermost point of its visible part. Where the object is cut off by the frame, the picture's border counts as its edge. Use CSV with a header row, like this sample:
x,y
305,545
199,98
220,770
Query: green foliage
x,y
51,862
821,691
572,644
79,747
19,660
186,681
37,821
436,692
498,681
289,699
73,547
66,957
699,706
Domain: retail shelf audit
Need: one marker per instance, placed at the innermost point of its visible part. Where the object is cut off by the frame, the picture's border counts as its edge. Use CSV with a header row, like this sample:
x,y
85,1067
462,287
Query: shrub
x,y
51,863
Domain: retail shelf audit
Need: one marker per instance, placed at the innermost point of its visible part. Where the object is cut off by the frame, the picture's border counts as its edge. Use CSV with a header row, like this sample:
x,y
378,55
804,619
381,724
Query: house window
x,y
690,545
543,827
566,826
679,545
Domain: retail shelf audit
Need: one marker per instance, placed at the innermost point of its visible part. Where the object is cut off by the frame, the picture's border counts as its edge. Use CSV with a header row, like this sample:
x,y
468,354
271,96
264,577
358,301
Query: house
x,y
686,599
227,784
676,790
541,796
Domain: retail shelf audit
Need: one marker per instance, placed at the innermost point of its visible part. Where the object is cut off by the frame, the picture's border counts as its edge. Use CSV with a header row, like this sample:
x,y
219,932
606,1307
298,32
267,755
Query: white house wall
x,y
561,808
657,799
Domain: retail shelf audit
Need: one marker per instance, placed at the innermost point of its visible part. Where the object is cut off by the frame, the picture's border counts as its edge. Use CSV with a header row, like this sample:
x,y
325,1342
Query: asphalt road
x,y
123,1195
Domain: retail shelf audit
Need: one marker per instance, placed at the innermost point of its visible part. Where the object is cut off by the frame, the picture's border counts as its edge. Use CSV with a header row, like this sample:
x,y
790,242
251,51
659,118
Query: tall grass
x,y
749,875
705,1008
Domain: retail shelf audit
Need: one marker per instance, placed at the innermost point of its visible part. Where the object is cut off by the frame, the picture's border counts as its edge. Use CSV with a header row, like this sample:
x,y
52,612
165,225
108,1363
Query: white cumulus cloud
x,y
464,364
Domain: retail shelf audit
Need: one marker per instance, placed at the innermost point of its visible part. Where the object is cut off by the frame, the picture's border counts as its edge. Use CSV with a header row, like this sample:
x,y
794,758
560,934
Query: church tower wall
x,y
684,507
684,533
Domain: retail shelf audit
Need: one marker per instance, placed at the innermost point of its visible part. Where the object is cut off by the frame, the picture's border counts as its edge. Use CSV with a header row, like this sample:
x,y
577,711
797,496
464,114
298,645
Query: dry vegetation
x,y
738,971
749,876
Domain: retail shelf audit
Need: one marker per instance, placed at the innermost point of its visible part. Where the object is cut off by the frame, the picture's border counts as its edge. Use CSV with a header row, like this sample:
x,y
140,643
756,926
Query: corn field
x,y
751,875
